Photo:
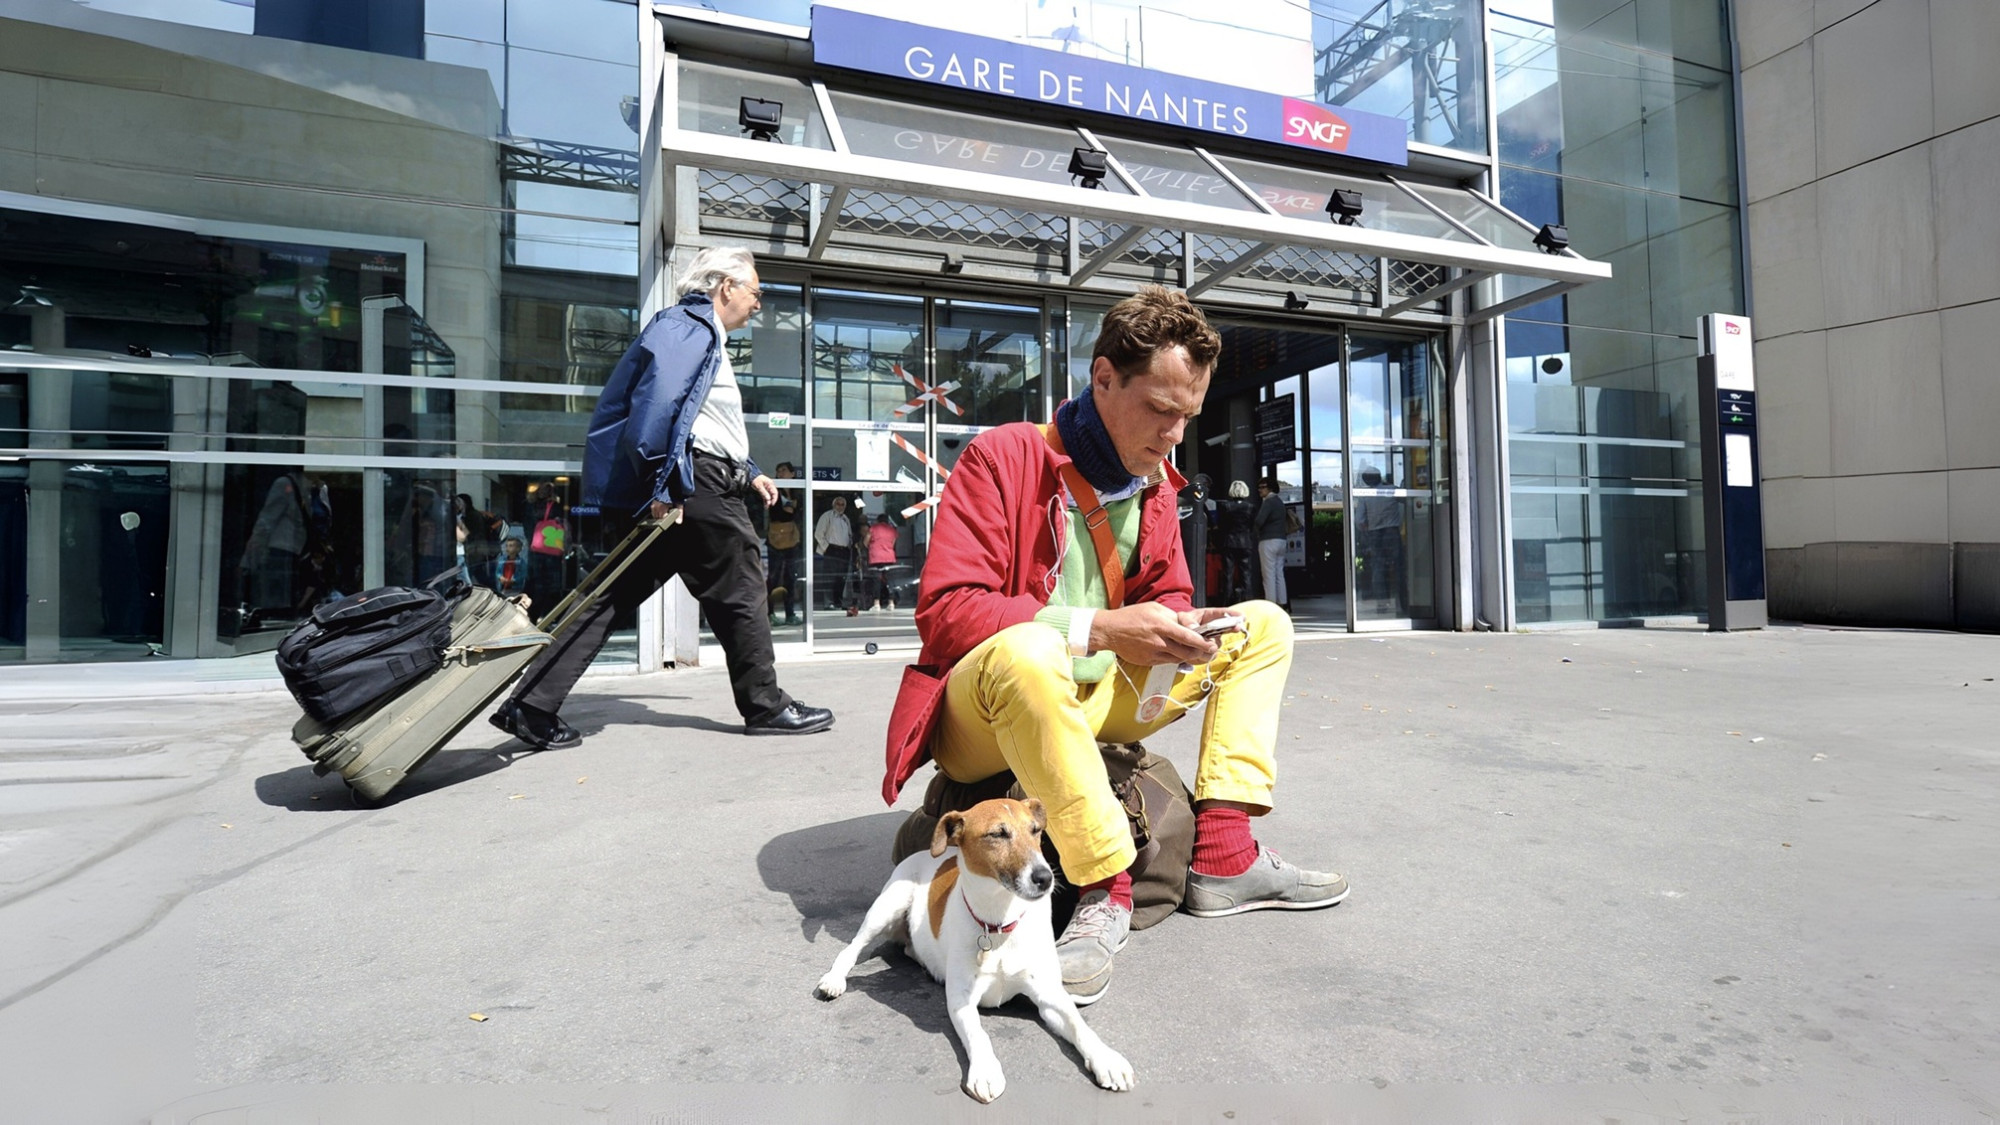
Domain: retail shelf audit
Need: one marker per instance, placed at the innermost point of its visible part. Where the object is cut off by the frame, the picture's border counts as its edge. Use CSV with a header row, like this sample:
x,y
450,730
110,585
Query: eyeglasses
x,y
756,291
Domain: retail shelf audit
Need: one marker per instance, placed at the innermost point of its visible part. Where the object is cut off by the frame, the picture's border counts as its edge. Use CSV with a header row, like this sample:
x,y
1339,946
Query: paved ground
x,y
1632,875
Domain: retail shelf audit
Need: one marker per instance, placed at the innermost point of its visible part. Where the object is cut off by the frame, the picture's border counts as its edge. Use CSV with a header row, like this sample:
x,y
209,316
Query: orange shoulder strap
x,y
1094,518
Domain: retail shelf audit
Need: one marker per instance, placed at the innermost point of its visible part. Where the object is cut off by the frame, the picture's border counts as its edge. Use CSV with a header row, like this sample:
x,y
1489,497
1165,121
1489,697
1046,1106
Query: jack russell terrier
x,y
978,919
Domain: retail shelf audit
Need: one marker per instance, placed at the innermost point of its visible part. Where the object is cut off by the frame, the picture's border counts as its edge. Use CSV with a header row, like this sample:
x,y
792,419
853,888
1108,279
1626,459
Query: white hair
x,y
714,265
1238,490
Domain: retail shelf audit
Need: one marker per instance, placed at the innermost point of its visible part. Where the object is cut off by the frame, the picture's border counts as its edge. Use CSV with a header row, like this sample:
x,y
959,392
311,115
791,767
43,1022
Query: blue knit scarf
x,y
1088,443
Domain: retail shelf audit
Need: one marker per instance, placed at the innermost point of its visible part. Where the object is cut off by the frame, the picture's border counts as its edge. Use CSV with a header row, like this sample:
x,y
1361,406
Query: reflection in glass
x,y
1086,322
169,292
866,348
768,358
565,98
945,138
786,536
1303,193
574,228
711,97
592,29
112,592
1420,61
868,548
1175,173
994,354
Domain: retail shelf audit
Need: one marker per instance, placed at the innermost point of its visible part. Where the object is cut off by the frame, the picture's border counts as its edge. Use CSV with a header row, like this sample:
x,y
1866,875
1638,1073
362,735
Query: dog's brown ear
x,y
1040,814
946,835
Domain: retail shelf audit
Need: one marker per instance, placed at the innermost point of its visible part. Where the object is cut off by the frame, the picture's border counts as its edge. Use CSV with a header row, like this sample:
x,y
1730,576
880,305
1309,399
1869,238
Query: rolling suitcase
x,y
492,641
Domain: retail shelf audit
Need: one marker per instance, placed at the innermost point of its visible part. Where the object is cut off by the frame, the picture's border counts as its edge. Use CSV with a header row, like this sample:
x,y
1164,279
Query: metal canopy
x,y
834,193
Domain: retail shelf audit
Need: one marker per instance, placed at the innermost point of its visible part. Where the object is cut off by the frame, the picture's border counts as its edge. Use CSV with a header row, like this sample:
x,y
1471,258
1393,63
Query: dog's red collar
x,y
983,923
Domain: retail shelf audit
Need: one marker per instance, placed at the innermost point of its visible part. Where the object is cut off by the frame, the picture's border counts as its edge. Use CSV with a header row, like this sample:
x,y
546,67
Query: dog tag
x,y
985,942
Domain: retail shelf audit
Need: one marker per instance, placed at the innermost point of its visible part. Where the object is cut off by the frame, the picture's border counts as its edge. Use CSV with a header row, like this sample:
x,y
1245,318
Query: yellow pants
x,y
1013,704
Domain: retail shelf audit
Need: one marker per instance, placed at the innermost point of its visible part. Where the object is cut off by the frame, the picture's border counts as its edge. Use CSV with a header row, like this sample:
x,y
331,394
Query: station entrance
x,y
1347,423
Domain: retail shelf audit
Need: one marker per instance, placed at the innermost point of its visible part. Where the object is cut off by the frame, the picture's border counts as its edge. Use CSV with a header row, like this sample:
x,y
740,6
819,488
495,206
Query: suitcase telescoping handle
x,y
604,574
465,654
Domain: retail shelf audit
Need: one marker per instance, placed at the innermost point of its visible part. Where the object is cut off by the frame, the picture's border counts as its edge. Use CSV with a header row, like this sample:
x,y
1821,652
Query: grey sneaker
x,y
1097,930
1270,884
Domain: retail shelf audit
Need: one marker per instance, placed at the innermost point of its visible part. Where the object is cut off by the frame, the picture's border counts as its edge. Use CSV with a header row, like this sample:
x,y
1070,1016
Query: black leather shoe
x,y
540,729
795,718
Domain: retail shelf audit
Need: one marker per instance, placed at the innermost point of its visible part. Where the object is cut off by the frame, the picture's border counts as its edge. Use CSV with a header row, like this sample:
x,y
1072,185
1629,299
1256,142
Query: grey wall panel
x,y
1969,356
1893,584
1973,496
1826,13
1964,37
1878,239
1820,586
1887,396
1965,168
1784,584
1765,28
1794,408
1872,82
1797,510
1976,585
1778,110
1786,281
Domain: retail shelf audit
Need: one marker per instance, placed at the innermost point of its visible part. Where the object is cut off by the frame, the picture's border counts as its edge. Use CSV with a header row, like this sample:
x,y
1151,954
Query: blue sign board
x,y
1017,70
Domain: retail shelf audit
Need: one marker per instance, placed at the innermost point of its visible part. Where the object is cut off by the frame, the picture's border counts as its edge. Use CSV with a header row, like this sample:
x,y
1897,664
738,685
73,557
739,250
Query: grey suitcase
x,y
492,640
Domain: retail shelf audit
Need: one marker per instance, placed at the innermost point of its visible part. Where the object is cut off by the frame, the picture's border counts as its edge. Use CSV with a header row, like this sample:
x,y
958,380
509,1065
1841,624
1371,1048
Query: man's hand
x,y
1151,634
767,488
660,509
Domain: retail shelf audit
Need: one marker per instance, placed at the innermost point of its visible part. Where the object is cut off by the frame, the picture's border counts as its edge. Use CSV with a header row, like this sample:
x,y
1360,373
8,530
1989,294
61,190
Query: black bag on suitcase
x,y
364,648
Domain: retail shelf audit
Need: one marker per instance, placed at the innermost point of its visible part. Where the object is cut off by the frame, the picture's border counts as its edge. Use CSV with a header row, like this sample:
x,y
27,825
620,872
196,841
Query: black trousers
x,y
714,550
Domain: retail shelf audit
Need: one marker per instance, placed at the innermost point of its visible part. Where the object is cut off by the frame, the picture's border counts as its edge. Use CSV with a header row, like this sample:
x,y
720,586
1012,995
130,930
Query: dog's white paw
x,y
984,1081
1111,1071
831,986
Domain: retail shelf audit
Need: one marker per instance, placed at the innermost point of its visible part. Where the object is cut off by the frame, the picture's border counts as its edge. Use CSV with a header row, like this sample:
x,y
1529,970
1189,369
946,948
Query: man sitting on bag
x,y
1044,660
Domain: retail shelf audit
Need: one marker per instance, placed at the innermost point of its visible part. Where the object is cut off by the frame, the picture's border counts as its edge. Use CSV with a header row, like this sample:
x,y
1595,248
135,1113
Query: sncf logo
x,y
1315,126
1731,328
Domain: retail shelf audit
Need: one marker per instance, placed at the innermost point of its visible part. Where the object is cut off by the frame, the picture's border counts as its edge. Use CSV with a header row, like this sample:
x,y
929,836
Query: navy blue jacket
x,y
637,450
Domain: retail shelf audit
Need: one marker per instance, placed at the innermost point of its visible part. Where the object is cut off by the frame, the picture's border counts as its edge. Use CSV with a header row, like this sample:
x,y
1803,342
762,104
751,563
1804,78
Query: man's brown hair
x,y
1150,321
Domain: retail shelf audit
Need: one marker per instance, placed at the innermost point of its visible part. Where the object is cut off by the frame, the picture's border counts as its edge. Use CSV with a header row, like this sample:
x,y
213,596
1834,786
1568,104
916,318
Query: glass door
x,y
900,384
1391,487
866,463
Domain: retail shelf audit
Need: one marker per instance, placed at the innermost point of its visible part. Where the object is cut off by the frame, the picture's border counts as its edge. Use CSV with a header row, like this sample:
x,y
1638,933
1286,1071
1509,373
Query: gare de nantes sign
x,y
995,66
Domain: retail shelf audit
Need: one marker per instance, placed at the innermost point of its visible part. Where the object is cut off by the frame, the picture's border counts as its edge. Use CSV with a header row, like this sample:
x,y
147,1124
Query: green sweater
x,y
1081,583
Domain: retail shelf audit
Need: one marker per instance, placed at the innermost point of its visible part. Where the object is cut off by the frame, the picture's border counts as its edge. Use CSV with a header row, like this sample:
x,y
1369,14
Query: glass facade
x,y
322,339
262,371
1617,121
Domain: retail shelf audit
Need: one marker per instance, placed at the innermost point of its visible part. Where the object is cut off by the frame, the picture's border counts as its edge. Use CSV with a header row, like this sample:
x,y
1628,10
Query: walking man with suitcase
x,y
667,442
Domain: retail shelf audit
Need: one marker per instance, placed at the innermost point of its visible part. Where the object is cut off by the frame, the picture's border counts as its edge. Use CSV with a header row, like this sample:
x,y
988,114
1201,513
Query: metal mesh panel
x,y
761,199
1306,265
969,224
1158,248
1407,279
1161,248
1092,236
1212,253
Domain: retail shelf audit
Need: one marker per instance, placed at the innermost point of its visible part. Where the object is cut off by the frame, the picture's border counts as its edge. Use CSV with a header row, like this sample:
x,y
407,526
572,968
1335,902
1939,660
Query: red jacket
x,y
992,564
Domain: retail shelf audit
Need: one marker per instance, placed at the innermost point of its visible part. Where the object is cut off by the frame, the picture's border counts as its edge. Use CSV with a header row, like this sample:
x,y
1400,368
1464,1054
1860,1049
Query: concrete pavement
x,y
1643,875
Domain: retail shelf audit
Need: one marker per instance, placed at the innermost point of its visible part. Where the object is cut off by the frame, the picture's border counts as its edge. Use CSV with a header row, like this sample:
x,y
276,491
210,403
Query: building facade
x,y
1871,141
300,297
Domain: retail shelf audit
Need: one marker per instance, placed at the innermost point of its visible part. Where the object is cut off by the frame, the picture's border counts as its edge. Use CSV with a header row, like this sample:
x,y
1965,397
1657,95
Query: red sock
x,y
1119,885
1223,845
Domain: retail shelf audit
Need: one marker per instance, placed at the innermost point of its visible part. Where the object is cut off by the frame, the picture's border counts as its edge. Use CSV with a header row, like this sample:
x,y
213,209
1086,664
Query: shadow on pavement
x,y
831,871
301,790
593,714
